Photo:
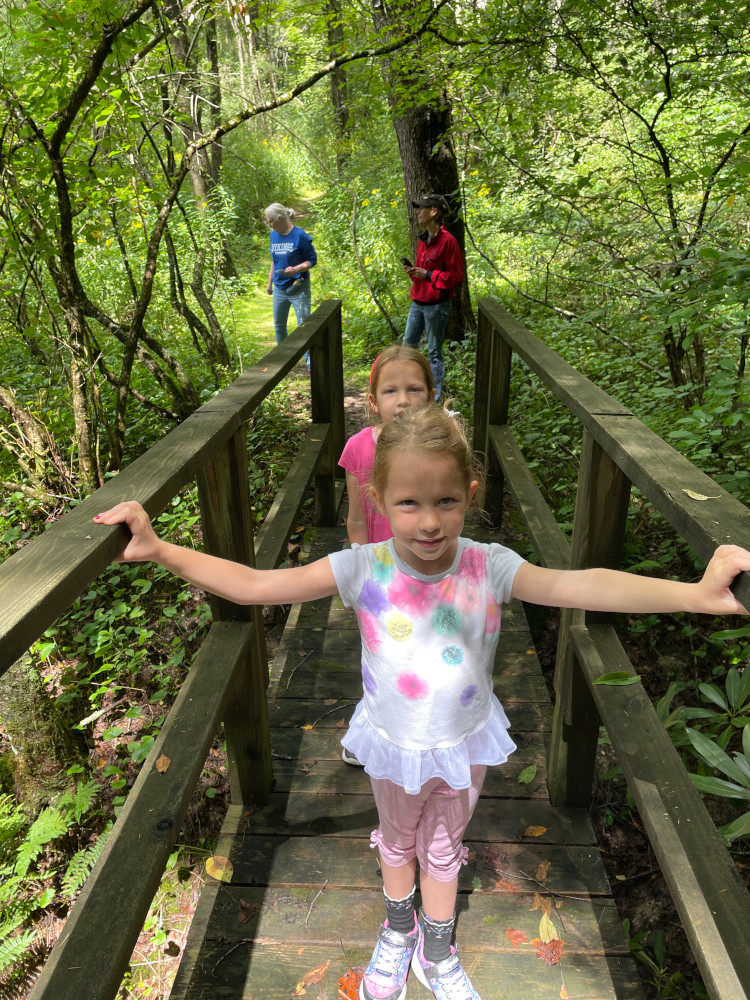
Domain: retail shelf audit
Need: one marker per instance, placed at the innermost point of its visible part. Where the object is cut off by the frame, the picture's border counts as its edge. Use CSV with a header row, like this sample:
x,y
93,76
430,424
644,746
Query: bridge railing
x,y
617,452
227,680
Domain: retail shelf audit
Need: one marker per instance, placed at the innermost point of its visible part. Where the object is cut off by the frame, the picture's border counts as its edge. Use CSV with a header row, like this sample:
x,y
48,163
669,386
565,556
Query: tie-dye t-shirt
x,y
428,642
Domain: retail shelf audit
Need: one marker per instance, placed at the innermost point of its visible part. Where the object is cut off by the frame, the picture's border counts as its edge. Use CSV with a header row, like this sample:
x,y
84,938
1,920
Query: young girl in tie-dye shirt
x,y
428,605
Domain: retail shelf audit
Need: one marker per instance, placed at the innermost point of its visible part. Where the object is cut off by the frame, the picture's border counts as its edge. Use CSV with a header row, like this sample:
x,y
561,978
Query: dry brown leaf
x,y
515,936
550,952
330,701
219,868
506,885
541,872
162,764
534,831
311,977
247,911
537,903
340,724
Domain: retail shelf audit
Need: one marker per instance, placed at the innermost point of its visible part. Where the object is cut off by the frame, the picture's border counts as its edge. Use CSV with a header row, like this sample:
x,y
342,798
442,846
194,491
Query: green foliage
x,y
667,985
24,890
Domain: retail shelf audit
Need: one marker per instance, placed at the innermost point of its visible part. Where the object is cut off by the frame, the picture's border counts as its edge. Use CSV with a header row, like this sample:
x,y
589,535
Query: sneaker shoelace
x,y
389,957
456,985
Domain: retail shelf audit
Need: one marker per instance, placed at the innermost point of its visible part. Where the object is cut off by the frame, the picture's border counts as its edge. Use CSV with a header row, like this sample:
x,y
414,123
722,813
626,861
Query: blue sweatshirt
x,y
293,248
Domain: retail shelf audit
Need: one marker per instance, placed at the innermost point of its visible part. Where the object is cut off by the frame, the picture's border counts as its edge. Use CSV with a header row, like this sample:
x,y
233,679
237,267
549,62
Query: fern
x,y
12,950
49,825
81,865
77,803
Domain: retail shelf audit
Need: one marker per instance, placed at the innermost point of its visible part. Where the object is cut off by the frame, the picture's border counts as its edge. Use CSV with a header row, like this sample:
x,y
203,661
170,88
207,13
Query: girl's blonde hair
x,y
397,352
278,211
428,430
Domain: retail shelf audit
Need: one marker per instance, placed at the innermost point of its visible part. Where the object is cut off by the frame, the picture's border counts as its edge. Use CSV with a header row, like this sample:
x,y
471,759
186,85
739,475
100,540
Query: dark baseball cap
x,y
434,201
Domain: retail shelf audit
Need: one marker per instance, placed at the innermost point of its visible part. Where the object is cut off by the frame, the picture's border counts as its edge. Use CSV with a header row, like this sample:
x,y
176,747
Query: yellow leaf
x,y
730,199
547,930
564,995
162,764
219,868
699,496
534,831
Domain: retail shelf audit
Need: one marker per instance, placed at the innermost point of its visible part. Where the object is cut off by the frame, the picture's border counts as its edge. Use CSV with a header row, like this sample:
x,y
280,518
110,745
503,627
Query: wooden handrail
x,y
618,450
228,678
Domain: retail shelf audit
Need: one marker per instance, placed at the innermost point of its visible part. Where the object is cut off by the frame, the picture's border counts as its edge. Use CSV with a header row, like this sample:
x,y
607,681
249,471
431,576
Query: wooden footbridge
x,y
300,903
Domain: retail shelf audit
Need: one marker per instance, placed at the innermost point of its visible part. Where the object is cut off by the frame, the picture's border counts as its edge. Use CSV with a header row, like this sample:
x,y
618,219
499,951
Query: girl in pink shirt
x,y
400,377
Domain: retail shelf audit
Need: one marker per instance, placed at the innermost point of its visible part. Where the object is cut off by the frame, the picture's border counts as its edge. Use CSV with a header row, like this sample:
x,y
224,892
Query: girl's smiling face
x,y
425,500
400,384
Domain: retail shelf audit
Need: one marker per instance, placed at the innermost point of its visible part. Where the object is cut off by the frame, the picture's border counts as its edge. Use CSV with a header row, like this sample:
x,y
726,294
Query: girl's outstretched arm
x,y
611,590
230,580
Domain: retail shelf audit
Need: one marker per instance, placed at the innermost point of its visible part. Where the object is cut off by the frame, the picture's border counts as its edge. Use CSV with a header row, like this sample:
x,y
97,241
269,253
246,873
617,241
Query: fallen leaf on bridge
x,y
550,951
564,995
547,930
311,977
534,831
219,868
541,872
349,983
162,763
247,911
515,936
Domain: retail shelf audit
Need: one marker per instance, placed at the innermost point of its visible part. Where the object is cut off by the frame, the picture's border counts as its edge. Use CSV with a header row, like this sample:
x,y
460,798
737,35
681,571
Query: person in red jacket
x,y
436,274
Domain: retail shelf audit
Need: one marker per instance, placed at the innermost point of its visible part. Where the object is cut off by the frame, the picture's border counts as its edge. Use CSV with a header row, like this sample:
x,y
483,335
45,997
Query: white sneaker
x,y
348,758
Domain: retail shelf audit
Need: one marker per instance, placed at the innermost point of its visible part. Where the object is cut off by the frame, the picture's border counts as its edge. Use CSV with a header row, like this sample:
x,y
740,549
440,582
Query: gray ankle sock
x,y
437,938
400,912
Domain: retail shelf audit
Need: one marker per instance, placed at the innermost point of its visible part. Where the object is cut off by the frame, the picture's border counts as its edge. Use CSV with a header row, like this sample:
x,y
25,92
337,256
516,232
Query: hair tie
x,y
372,370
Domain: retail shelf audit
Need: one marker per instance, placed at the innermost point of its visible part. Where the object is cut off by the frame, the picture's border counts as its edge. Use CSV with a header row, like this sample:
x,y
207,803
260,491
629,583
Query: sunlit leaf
x,y
349,983
162,764
220,868
549,951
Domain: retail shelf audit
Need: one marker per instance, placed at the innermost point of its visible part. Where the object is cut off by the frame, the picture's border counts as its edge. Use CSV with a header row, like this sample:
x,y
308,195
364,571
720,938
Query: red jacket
x,y
442,259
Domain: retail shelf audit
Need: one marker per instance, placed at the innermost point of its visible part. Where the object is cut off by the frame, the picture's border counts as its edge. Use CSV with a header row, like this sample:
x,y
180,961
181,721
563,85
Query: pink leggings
x,y
428,826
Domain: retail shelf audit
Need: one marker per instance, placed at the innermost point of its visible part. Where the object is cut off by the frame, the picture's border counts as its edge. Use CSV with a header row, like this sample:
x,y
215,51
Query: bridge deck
x,y
306,888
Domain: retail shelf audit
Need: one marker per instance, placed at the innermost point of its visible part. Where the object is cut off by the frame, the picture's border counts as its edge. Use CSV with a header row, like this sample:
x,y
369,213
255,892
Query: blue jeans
x,y
296,295
432,320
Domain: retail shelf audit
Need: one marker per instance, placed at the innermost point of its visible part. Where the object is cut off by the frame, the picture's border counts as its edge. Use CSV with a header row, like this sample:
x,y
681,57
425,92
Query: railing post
x,y
491,405
327,405
598,533
224,494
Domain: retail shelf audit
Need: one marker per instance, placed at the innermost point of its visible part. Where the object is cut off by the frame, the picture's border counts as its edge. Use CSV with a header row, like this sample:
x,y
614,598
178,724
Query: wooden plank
x,y
712,901
145,831
349,861
230,970
224,495
283,516
550,544
303,916
355,815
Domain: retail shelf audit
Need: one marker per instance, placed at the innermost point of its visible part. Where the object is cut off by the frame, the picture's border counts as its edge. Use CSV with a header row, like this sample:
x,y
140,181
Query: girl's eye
x,y
418,388
445,501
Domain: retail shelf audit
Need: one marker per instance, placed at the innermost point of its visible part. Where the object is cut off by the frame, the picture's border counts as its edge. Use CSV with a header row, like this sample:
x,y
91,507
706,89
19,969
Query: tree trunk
x,y
339,86
43,747
428,157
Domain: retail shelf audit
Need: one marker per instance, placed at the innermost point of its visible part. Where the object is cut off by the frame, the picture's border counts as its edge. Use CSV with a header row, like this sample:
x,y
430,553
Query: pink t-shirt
x,y
358,457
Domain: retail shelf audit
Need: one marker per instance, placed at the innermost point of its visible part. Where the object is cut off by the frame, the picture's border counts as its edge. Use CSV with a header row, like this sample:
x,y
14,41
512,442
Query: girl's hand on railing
x,y
726,562
144,544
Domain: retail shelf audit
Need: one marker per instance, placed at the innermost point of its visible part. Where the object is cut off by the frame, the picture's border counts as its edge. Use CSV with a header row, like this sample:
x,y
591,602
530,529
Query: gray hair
x,y
278,211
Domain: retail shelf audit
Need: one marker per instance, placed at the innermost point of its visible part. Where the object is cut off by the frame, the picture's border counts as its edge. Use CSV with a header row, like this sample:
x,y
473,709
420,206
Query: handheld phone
x,y
406,262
